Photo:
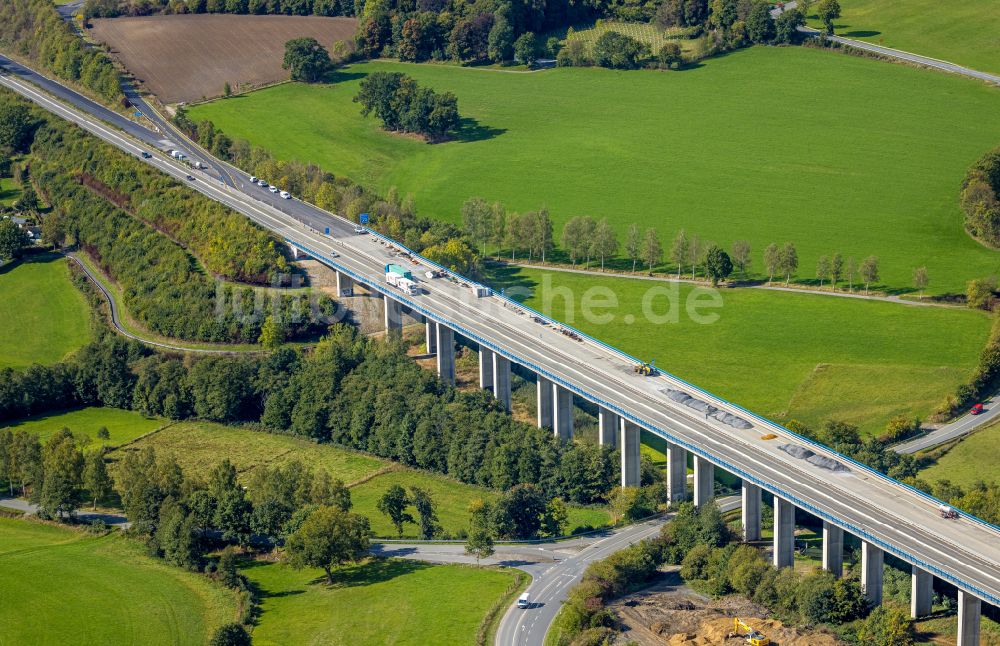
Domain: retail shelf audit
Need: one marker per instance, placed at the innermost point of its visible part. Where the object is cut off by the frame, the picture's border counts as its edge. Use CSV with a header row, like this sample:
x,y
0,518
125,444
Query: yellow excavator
x,y
646,369
753,637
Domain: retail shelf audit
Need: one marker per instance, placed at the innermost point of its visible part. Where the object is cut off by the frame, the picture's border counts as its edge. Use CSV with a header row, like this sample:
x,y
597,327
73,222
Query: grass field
x,y
786,355
44,318
833,152
9,191
967,33
122,425
198,446
380,602
65,587
972,459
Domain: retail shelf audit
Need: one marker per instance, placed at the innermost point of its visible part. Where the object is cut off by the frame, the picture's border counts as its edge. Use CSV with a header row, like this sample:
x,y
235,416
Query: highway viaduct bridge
x,y
887,516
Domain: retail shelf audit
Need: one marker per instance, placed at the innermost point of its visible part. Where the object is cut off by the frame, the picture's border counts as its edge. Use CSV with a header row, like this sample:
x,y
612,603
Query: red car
x,y
978,408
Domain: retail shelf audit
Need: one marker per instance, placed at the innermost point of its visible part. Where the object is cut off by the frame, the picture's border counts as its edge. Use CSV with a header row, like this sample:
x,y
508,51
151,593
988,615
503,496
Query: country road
x,y
962,426
116,318
554,568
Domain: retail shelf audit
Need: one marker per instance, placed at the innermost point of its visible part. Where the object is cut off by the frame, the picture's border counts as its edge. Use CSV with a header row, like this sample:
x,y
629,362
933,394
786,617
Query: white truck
x,y
401,279
478,291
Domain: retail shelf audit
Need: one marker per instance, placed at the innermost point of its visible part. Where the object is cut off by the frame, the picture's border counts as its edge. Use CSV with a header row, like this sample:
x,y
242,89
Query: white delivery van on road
x,y
524,601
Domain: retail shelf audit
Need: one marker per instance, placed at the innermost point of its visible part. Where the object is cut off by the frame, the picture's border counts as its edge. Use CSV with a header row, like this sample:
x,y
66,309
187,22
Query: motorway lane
x,y
965,552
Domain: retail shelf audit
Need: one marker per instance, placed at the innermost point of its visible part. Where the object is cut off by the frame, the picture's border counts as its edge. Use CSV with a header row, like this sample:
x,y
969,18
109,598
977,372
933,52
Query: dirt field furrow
x,y
190,57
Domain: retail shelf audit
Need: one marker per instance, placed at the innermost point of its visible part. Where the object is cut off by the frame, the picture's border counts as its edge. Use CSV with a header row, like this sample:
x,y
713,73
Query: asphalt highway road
x,y
906,523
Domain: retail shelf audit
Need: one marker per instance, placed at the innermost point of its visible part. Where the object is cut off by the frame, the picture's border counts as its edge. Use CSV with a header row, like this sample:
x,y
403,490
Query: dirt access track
x,y
189,57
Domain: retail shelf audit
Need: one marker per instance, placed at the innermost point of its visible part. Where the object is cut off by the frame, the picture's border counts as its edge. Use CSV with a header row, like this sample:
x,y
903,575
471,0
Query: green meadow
x,y
62,586
123,425
960,32
833,152
782,355
43,317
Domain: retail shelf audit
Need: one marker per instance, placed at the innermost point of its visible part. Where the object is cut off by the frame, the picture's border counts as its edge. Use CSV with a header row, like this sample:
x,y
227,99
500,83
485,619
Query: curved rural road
x,y
899,54
554,569
116,318
962,426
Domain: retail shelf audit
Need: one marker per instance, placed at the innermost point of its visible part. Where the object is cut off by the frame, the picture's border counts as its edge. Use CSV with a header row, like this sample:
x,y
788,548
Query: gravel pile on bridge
x,y
813,458
682,397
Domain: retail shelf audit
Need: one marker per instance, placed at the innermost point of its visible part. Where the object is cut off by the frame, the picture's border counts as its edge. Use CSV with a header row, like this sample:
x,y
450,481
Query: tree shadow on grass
x,y
373,571
342,76
510,279
470,130
861,34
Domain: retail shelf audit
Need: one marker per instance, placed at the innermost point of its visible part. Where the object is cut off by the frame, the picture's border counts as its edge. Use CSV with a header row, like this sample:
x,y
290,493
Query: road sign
x,y
364,218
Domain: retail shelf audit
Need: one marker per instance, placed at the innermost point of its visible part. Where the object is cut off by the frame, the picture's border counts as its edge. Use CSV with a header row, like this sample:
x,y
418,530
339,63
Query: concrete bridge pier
x,y
393,314
629,449
607,427
751,512
704,481
677,468
430,336
562,412
544,395
872,559
486,369
921,592
446,353
833,549
345,284
784,533
969,609
501,379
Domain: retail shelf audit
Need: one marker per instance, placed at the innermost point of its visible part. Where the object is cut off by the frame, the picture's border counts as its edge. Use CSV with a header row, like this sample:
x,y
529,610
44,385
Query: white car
x,y
261,183
273,189
285,195
253,180
360,229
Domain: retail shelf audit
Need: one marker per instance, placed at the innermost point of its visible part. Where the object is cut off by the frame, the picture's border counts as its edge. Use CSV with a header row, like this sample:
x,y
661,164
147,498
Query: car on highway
x,y
261,183
253,180
524,601
285,195
977,409
360,229
273,189
190,179
145,155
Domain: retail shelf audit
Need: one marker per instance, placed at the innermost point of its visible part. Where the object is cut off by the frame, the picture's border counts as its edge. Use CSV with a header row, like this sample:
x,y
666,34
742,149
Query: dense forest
x,y
355,392
34,30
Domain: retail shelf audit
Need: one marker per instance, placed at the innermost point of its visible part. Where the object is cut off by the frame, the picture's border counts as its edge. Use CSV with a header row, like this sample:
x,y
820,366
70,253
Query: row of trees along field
x,y
586,239
34,30
713,563
130,220
355,392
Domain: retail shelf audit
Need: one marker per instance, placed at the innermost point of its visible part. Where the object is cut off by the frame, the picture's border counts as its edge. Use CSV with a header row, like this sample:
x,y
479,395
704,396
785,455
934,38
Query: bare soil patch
x,y
190,57
668,613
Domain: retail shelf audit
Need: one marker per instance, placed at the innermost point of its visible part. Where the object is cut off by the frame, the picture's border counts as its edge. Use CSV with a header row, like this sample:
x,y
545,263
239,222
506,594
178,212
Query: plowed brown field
x,y
186,58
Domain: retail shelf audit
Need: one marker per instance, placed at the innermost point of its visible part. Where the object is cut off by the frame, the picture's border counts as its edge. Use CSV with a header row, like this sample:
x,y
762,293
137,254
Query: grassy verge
x,y
43,317
826,134
115,594
968,460
198,446
960,32
123,425
783,355
9,191
378,602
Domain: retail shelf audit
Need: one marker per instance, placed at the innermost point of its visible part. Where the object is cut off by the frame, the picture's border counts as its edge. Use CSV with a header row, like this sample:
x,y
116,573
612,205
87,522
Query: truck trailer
x,y
401,279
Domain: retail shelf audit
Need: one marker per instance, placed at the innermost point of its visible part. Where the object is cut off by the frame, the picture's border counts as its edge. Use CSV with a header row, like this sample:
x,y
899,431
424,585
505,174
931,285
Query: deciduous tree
x,y
741,255
717,264
393,504
306,59
679,250
327,538
920,279
652,250
95,476
828,11
869,271
605,241
633,244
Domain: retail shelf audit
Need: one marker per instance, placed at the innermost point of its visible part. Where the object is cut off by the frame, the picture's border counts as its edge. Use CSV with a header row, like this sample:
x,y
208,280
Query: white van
x,y
285,195
524,601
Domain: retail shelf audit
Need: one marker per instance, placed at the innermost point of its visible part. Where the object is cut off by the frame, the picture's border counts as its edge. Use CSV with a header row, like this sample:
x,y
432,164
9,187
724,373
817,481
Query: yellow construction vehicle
x,y
646,369
753,637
